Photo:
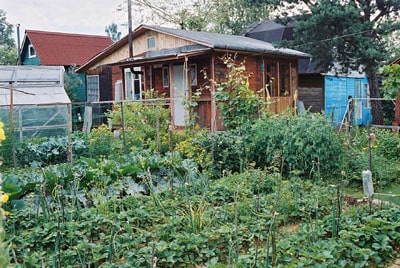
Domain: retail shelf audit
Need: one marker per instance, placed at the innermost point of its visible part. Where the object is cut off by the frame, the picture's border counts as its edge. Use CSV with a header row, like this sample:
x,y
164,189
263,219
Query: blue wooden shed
x,y
338,89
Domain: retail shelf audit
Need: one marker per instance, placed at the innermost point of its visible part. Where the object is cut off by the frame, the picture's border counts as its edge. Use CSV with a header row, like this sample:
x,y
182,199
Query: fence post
x,y
157,126
123,126
70,157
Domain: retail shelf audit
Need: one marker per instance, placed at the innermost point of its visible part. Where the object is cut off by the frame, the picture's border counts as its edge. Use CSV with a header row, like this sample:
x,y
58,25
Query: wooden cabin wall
x,y
203,108
311,91
158,81
116,74
119,55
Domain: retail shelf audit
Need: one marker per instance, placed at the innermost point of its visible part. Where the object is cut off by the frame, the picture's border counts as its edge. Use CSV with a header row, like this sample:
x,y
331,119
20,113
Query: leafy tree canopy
x,y
112,32
349,32
8,50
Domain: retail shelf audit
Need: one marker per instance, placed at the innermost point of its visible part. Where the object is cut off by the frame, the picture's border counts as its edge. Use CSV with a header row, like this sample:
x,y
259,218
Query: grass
x,y
390,193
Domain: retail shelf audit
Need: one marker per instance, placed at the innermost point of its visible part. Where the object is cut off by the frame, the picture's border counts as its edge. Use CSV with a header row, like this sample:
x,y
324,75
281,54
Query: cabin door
x,y
180,93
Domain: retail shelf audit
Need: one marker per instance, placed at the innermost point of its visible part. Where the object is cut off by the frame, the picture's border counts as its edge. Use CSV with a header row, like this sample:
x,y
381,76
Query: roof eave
x,y
130,62
102,54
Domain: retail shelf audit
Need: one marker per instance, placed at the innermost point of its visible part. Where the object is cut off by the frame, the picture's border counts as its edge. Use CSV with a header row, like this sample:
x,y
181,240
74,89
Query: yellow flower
x,y
2,134
4,198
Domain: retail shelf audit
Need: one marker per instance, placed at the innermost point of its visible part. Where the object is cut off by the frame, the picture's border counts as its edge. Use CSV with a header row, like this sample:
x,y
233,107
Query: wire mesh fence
x,y
53,133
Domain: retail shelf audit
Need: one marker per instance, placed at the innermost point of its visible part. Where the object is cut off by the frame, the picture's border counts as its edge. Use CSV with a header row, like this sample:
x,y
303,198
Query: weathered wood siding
x,y
311,91
163,41
116,56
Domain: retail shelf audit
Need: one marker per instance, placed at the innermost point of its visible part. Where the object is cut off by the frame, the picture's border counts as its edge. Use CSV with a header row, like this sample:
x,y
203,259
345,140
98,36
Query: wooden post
x,y
213,104
70,158
157,126
369,147
396,120
123,126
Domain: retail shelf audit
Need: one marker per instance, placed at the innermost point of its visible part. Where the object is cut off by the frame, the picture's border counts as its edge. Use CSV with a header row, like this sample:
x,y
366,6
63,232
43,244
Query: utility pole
x,y
18,45
130,28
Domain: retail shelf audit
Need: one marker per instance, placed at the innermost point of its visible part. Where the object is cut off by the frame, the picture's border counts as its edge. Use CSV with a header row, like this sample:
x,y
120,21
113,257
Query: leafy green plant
x,y
391,82
239,105
227,152
146,123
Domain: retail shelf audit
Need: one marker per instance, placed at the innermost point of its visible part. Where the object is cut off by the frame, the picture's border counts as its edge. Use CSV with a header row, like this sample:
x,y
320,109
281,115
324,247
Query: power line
x,y
333,38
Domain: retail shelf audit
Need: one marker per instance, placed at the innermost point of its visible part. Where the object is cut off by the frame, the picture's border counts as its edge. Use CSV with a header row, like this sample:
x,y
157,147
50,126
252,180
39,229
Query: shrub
x,y
303,145
227,152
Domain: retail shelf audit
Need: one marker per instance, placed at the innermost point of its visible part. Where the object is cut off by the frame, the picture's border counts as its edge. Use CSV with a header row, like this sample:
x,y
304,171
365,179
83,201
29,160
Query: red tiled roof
x,y
64,48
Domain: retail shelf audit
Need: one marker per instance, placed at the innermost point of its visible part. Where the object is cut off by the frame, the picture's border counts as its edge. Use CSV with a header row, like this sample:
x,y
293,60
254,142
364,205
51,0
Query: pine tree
x,y
347,32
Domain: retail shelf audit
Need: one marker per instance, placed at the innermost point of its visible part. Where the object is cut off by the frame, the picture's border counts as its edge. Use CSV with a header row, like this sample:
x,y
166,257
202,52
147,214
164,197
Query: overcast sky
x,y
72,16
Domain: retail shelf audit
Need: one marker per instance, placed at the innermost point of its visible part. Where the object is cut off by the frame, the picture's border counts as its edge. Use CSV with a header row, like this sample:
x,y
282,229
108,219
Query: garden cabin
x,y
174,63
311,79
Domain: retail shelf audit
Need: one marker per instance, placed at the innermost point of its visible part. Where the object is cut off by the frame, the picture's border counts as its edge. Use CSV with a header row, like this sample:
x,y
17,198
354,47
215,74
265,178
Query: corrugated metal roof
x,y
225,41
175,51
31,74
65,49
32,85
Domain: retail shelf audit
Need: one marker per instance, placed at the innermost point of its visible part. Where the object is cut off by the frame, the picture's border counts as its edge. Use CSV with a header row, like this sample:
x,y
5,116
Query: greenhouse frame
x,y
33,102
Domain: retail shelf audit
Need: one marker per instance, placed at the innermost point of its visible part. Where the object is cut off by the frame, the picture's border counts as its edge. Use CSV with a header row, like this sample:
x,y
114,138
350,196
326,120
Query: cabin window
x,y
367,95
32,51
93,92
284,76
193,74
133,84
165,77
151,42
272,80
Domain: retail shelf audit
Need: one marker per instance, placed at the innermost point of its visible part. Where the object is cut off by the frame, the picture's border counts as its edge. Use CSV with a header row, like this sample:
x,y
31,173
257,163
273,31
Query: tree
x,y
112,32
8,50
346,34
223,16
393,41
233,16
71,81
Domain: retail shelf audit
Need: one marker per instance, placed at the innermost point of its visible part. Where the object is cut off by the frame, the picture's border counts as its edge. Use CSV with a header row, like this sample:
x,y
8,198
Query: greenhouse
x,y
33,102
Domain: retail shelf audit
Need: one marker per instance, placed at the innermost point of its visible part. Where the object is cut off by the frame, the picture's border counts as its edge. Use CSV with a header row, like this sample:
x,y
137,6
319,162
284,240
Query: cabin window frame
x,y
151,42
285,89
272,76
165,77
31,51
193,74
132,81
93,88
